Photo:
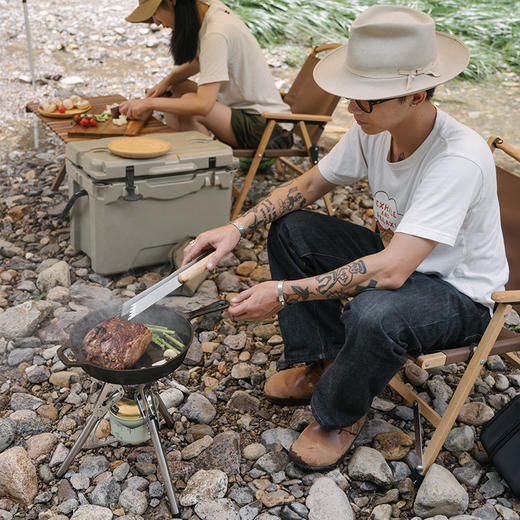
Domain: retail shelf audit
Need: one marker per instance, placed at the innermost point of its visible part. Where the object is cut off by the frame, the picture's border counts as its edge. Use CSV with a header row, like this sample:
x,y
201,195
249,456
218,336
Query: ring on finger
x,y
192,243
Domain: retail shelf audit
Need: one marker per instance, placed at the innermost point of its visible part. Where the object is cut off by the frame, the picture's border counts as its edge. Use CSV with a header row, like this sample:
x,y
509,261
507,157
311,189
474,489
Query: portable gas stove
x,y
150,405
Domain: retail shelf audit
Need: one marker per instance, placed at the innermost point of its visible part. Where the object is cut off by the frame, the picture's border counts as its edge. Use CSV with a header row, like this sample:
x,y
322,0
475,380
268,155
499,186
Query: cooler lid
x,y
190,151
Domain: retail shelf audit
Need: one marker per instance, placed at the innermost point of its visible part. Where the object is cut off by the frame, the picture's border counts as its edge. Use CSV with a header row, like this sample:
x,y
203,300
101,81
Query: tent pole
x,y
31,65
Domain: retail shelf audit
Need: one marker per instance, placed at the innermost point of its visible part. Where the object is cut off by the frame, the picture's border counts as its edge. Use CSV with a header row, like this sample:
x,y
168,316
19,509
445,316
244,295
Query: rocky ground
x,y
227,452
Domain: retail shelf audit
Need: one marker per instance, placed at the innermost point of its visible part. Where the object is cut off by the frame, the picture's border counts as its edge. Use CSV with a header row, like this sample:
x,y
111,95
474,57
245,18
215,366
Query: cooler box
x,y
127,213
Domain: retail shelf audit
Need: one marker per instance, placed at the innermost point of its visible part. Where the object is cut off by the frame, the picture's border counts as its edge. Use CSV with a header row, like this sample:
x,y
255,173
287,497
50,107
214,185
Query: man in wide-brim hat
x,y
435,204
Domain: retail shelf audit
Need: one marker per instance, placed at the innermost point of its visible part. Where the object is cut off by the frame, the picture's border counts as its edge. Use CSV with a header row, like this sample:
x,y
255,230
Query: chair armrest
x,y
506,296
296,117
497,142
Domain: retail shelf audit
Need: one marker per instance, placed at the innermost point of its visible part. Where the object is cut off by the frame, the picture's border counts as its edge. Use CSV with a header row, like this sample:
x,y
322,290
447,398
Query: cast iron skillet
x,y
143,371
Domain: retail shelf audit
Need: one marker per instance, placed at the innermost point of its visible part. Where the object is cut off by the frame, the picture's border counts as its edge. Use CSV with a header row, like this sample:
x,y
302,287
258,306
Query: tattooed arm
x,y
291,196
388,269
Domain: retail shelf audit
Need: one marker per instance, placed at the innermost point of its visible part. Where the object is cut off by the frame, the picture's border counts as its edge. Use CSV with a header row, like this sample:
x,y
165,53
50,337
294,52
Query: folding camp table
x,y
97,104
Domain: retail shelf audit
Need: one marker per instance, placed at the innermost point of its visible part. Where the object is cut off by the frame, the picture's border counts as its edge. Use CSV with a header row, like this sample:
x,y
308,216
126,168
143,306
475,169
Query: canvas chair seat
x,y
311,109
496,340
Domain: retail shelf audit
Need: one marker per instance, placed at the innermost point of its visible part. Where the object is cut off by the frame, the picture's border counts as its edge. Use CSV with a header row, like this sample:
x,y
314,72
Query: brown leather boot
x,y
295,385
318,448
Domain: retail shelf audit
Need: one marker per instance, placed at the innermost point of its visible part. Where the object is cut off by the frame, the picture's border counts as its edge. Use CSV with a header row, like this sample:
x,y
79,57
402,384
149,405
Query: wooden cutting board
x,y
107,129
139,147
68,113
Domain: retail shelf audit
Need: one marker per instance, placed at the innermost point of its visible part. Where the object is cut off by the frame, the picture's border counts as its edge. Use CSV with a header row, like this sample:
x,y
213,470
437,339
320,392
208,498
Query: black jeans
x,y
369,337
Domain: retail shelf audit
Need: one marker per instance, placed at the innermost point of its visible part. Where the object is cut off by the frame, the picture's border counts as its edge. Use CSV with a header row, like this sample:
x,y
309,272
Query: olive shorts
x,y
248,130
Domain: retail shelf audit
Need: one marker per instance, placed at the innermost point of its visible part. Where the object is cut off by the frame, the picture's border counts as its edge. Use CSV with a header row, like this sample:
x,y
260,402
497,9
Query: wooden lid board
x,y
68,113
139,147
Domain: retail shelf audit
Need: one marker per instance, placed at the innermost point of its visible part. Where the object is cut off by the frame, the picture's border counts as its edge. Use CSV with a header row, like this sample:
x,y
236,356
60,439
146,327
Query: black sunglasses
x,y
367,105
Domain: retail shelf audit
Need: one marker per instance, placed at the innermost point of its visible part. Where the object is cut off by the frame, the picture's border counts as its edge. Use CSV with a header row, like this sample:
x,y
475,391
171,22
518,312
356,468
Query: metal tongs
x,y
147,298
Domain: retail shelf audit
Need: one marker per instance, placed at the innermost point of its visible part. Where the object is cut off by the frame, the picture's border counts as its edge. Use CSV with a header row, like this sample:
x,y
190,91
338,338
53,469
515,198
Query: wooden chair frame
x,y
488,345
301,122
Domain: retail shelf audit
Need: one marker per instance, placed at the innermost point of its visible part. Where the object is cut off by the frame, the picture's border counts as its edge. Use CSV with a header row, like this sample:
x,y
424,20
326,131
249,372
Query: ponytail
x,y
184,40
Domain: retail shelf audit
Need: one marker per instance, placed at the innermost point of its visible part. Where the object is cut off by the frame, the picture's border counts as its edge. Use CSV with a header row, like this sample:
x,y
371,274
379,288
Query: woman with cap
x,y
234,85
434,187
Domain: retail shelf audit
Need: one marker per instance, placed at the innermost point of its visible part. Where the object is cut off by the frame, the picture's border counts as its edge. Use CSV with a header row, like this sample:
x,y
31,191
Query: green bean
x,y
175,340
164,344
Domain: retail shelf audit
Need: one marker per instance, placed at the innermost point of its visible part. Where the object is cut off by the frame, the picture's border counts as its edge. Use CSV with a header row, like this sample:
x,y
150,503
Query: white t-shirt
x,y
445,191
230,54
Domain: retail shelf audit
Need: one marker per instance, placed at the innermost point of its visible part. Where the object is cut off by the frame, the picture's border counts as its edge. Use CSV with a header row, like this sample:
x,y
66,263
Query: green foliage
x,y
490,28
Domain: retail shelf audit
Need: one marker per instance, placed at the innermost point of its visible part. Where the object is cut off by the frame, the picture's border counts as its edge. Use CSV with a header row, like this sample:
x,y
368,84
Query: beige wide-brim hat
x,y
392,51
144,11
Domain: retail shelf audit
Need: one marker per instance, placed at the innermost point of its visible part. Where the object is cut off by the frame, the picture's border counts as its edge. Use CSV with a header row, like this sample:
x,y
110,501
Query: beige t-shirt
x,y
229,53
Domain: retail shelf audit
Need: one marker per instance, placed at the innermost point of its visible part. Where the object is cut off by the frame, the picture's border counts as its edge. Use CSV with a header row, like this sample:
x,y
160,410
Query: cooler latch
x,y
130,186
212,162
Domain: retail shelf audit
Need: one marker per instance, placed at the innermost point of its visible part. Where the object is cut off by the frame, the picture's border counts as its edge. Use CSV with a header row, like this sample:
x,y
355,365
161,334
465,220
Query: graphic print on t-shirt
x,y
386,213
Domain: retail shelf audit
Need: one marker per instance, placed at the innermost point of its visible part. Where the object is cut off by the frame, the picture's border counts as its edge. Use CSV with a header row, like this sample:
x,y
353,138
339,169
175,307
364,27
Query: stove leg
x,y
164,412
103,402
144,398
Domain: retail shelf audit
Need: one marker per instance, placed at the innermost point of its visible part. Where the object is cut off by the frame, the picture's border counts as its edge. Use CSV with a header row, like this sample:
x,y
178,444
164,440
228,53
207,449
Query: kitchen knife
x,y
153,294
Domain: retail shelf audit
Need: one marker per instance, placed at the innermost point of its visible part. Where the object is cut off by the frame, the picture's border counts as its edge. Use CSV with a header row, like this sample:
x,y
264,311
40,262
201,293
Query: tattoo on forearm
x,y
265,211
300,294
335,284
293,200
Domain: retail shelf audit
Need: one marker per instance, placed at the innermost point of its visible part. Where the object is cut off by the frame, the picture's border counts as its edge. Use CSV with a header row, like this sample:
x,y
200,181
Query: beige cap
x,y
392,51
144,11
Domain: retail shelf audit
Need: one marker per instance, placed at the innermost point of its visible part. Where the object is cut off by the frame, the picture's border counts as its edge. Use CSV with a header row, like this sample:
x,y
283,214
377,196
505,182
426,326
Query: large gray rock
x,y
460,439
133,501
272,462
371,429
9,250
27,422
23,320
475,413
172,397
326,501
92,512
204,485
493,487
18,475
93,466
219,509
223,454
368,464
469,474
91,296
54,276
106,492
7,431
282,436
440,494
439,389
198,409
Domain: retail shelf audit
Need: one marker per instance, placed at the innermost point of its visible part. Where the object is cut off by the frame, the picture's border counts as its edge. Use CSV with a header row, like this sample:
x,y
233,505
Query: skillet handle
x,y
66,360
219,305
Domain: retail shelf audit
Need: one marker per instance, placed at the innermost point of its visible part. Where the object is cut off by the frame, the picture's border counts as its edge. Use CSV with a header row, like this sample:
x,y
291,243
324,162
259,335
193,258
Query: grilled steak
x,y
116,344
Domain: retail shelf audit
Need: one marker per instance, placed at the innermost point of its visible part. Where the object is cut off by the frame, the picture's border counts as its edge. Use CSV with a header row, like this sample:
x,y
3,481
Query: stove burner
x,y
149,404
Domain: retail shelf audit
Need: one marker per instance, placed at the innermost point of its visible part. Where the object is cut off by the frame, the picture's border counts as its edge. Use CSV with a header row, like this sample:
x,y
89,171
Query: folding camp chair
x,y
496,339
311,108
